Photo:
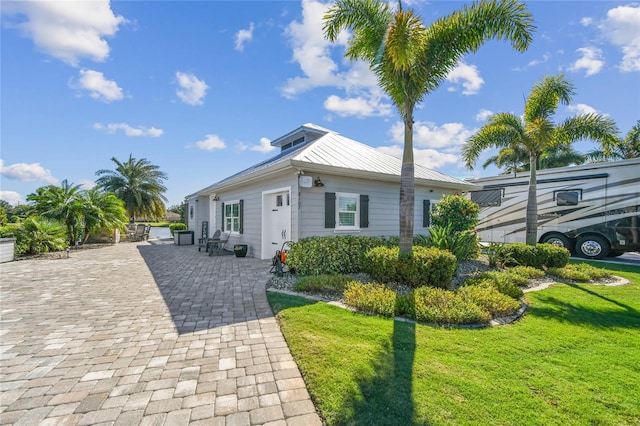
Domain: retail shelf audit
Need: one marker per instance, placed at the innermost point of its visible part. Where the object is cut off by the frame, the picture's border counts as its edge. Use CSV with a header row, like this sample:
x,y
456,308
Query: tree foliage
x,y
139,184
410,59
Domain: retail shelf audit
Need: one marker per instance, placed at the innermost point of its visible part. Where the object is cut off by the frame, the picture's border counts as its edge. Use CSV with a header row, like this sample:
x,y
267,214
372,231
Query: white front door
x,y
278,224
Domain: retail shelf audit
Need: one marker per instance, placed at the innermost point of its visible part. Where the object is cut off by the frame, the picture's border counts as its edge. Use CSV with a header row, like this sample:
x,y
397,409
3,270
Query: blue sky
x,y
200,88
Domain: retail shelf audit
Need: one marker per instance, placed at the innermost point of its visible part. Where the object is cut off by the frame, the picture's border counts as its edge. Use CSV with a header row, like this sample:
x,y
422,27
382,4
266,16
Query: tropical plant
x,y
102,211
410,59
457,212
64,203
139,184
536,132
619,149
40,235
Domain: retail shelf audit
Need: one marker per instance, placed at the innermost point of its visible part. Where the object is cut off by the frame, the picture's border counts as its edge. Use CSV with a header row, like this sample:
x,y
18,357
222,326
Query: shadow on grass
x,y
386,398
606,313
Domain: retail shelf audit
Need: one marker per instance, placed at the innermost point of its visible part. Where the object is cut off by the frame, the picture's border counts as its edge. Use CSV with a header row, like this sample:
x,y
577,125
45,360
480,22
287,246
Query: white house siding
x,y
252,210
384,200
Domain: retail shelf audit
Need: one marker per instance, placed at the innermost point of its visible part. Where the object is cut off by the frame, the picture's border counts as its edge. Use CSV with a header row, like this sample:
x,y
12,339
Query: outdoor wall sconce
x,y
215,198
318,183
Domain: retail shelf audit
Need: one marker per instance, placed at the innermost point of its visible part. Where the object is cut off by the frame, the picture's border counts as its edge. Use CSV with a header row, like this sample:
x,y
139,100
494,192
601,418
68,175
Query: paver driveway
x,y
144,334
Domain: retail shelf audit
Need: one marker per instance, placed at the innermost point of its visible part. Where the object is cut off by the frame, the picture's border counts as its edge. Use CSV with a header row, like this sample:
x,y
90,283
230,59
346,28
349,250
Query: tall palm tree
x,y
139,184
619,149
511,159
63,203
102,211
410,59
536,132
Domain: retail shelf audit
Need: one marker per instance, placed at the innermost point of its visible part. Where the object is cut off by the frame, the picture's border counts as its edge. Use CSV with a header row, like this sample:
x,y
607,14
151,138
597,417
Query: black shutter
x,y
223,221
241,216
426,213
364,211
329,209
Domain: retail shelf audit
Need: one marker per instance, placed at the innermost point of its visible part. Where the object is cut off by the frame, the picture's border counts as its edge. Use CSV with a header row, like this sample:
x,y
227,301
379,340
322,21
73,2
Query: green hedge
x,y
425,267
539,256
177,227
371,297
330,255
447,307
326,284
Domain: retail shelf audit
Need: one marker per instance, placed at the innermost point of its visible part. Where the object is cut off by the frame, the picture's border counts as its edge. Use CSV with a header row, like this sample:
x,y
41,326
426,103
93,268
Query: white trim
x,y
267,252
224,218
356,213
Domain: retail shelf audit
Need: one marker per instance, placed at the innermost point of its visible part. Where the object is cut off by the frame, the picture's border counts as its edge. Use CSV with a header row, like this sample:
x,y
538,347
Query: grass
x,y
574,358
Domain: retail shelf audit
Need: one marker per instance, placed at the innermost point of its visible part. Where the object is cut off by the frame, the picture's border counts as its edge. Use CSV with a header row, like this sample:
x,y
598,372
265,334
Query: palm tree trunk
x,y
532,205
407,185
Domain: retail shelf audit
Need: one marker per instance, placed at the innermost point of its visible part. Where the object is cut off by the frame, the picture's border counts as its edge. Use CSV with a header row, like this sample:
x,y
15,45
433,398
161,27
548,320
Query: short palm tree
x,y
63,203
102,211
619,149
139,184
39,235
410,59
536,133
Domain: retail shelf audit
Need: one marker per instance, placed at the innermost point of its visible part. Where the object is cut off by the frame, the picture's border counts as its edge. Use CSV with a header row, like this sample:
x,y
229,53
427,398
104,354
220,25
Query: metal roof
x,y
332,152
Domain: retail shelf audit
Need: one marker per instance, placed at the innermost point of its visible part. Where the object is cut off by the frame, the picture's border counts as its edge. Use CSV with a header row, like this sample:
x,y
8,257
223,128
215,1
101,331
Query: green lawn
x,y
574,358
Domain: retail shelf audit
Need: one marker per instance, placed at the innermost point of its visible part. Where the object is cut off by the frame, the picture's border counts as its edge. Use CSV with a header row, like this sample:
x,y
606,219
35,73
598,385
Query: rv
x,y
592,210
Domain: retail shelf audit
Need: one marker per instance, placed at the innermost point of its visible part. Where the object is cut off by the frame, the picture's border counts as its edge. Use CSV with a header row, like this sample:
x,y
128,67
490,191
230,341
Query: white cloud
x,y
191,90
67,30
591,61
586,21
429,135
244,36
128,130
359,106
483,114
210,142
86,184
264,146
468,76
98,87
312,52
430,158
11,197
24,172
620,28
582,109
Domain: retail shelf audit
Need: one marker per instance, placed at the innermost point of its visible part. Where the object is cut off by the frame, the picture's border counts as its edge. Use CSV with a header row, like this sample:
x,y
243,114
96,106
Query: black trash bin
x,y
240,250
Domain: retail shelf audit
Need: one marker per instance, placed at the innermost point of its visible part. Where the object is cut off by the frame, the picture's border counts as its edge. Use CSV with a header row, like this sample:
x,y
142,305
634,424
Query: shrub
x,y
499,280
330,255
371,297
426,266
463,245
326,284
489,299
527,271
456,211
177,227
38,235
446,307
580,273
538,256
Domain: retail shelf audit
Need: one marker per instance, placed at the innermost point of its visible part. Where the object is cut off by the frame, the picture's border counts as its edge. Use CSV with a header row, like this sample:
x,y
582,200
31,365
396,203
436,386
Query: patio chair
x,y
217,245
206,242
138,234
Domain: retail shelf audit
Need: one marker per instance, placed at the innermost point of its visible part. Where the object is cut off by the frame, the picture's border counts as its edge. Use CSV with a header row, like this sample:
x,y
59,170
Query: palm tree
x,y
410,59
63,203
512,159
619,149
139,184
102,211
537,133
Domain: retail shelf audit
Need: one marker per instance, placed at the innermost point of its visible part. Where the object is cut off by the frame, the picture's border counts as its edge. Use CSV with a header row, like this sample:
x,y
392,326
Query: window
x,y
347,211
487,197
233,217
344,211
567,198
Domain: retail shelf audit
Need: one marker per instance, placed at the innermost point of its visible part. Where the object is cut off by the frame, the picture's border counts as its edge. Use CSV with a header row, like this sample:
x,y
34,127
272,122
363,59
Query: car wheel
x,y
557,240
592,247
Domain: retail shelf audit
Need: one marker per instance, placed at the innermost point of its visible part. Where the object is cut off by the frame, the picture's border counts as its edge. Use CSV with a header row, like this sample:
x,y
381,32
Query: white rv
x,y
592,209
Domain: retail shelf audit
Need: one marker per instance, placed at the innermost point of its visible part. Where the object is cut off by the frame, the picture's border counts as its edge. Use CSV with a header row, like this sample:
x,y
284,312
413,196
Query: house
x,y
320,183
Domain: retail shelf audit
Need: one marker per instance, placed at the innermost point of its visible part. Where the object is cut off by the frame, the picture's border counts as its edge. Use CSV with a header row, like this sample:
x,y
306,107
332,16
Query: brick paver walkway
x,y
148,334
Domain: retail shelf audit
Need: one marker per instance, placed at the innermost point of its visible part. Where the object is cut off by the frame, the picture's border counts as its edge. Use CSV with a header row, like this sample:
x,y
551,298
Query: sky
x,y
201,88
